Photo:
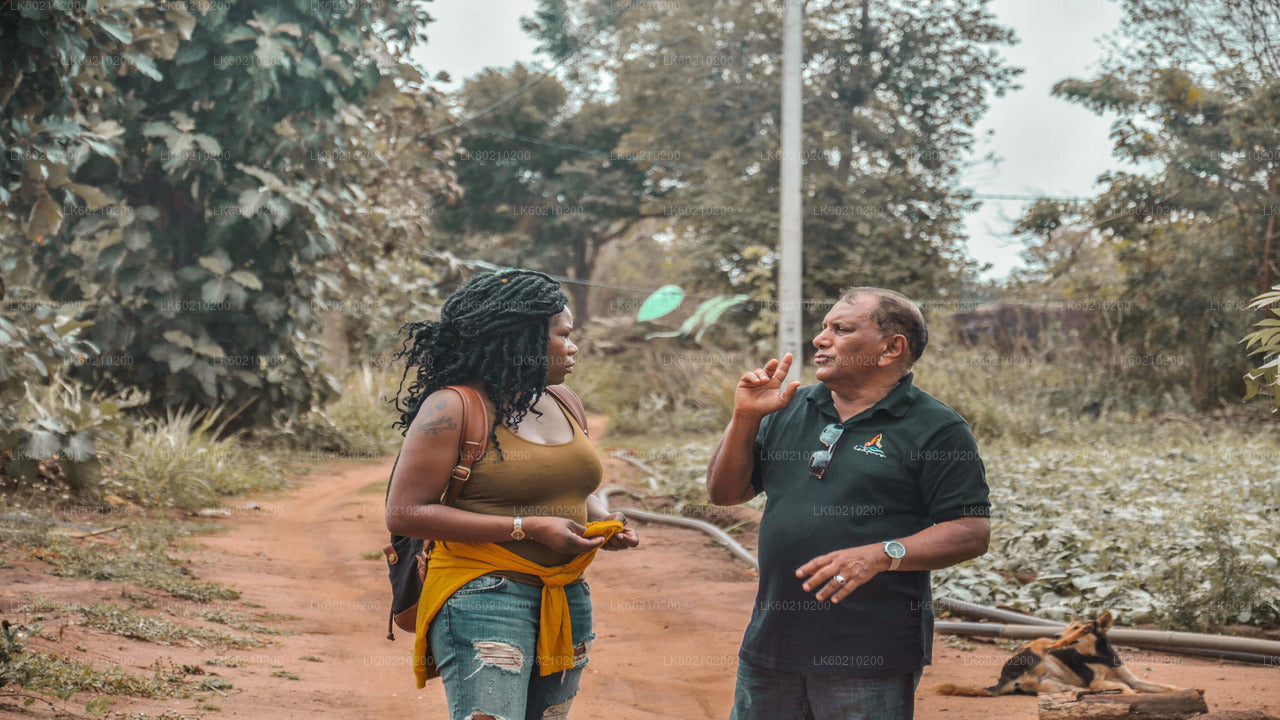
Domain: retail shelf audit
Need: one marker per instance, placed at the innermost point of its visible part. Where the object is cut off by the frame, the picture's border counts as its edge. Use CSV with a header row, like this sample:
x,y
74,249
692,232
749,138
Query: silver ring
x,y
840,579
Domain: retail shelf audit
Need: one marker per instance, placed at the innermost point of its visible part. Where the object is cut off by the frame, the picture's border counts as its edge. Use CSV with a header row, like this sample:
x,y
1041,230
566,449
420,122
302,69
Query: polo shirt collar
x,y
896,403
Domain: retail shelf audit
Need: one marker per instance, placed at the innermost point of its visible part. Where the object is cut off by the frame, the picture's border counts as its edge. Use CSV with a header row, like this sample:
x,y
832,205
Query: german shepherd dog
x,y
1078,657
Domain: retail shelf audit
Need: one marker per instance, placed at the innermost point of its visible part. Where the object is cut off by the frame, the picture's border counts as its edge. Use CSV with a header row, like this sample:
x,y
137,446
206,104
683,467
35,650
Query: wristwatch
x,y
517,532
896,551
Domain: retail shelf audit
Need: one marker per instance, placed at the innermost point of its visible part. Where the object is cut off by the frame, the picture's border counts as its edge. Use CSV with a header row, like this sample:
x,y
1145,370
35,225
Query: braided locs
x,y
493,328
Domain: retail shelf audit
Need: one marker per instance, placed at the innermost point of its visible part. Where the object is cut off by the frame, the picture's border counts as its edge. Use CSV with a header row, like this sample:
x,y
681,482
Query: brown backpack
x,y
406,576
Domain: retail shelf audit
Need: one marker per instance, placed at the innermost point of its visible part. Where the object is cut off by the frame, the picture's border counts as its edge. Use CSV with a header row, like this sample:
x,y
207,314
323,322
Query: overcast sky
x,y
1045,145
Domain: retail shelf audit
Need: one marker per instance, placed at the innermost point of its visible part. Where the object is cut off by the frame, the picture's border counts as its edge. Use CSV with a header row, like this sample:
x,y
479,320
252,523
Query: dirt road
x,y
669,617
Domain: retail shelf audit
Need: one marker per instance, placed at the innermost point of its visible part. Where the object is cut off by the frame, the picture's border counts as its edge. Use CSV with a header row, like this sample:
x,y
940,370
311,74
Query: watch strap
x,y
894,561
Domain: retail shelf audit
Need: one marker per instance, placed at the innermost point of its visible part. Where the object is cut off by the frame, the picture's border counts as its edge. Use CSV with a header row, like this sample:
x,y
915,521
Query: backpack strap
x,y
472,441
471,445
571,401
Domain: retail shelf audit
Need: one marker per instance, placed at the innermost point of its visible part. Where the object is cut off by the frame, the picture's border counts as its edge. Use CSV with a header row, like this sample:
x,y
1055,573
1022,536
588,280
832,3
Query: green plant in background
x,y
197,234
18,667
43,416
893,91
1265,341
142,558
186,460
1216,585
1191,221
660,387
67,425
356,424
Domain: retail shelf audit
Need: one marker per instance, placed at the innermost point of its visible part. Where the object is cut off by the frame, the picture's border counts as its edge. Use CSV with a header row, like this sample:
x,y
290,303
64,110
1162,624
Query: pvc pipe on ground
x,y
1128,638
719,535
968,609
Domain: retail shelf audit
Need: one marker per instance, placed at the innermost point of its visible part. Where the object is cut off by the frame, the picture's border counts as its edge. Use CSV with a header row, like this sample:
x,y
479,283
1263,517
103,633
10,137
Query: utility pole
x,y
790,244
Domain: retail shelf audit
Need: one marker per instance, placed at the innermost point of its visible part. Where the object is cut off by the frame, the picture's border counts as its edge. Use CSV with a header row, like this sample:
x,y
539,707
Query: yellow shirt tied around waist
x,y
456,564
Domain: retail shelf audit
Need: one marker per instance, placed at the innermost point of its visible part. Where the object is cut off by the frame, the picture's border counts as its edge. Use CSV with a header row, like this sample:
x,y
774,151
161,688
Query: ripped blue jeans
x,y
484,641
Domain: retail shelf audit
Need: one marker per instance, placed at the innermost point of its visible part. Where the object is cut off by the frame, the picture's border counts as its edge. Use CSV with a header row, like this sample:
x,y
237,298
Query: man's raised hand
x,y
760,391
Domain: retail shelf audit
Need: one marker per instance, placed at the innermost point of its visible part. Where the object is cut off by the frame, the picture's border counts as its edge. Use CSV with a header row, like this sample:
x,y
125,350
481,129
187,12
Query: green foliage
x,y
59,677
1193,236
18,667
143,559
543,185
1219,585
892,92
131,623
185,460
1104,520
42,416
66,427
660,385
1265,341
356,424
223,181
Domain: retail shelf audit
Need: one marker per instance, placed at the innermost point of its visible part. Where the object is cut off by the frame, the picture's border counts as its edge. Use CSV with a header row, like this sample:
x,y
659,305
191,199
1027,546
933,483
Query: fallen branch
x,y
1112,705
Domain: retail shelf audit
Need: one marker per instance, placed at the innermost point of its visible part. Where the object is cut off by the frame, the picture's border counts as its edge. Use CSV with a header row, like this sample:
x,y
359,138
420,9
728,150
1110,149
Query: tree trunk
x,y
1094,705
584,264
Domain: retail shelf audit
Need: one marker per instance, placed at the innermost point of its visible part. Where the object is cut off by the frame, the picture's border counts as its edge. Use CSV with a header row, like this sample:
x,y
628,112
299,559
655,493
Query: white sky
x,y
1045,145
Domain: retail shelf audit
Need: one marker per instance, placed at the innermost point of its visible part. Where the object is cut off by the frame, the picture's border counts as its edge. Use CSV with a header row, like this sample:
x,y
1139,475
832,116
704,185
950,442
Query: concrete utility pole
x,y
790,264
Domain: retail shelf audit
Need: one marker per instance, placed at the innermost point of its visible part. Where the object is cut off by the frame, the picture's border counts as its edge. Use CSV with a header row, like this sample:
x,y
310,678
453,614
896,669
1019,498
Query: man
x,y
871,483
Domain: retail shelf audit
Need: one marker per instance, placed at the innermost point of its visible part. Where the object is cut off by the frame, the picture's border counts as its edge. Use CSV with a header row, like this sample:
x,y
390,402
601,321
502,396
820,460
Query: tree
x,y
892,91
542,184
1198,104
233,160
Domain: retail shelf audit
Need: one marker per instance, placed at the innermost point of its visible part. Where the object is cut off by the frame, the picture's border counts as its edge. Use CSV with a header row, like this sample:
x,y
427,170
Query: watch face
x,y
895,549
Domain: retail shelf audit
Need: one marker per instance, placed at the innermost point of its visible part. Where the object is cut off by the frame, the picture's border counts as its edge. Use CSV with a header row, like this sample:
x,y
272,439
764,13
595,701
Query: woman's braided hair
x,y
493,328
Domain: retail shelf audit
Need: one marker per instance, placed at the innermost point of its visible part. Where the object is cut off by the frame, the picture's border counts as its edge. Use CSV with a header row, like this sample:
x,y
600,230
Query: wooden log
x,y
1113,705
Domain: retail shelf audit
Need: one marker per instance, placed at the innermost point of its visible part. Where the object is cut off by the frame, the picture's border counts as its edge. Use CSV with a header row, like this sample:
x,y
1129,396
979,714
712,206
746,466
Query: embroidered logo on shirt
x,y
872,446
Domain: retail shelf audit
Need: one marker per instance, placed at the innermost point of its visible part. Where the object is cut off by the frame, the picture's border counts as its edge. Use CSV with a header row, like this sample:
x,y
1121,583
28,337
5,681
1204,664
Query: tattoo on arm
x,y
437,426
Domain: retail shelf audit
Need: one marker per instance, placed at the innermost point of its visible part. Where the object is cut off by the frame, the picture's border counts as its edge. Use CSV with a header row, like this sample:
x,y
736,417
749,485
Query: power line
x,y
595,152
549,143
1055,198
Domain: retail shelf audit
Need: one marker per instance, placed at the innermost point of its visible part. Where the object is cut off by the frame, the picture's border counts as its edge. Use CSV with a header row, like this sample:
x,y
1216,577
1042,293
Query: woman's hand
x,y
625,539
560,534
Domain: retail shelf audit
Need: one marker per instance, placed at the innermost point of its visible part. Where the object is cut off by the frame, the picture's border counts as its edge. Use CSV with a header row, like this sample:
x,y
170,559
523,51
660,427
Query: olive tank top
x,y
534,479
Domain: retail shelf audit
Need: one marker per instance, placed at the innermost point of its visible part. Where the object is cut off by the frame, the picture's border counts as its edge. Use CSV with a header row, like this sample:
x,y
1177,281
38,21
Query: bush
x,y
661,387
181,461
355,425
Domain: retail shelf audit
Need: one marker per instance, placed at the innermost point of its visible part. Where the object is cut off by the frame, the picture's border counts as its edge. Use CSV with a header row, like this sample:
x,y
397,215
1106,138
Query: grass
x,y
181,461
662,388
131,623
356,426
33,671
142,559
75,676
242,622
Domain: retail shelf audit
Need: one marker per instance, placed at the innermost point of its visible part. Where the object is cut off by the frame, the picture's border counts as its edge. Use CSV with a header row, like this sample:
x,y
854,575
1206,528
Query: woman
x,y
519,526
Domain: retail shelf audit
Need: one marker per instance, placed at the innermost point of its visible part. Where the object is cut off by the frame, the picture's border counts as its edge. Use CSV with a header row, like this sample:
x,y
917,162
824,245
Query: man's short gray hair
x,y
895,315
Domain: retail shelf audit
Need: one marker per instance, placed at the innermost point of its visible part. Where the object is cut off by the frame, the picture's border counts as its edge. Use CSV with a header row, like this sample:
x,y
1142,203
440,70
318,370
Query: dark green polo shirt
x,y
902,465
